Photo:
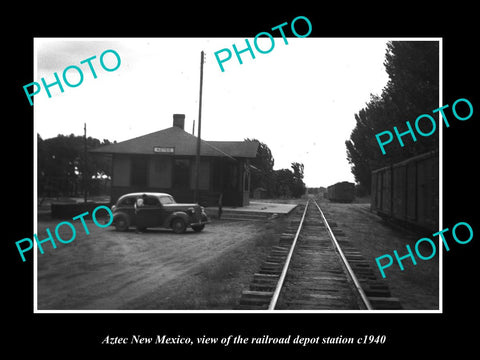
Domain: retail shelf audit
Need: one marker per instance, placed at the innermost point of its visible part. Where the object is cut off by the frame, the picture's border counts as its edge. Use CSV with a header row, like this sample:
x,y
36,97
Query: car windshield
x,y
166,200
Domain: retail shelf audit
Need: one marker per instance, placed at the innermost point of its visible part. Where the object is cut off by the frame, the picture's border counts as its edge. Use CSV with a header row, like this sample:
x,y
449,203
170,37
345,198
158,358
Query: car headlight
x,y
191,211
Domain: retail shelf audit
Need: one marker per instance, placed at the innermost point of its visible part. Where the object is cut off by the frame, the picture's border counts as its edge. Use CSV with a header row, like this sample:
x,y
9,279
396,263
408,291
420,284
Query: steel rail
x,y
363,296
279,286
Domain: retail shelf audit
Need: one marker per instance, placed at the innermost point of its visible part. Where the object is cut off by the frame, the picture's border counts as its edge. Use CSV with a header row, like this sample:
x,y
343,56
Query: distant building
x,y
341,192
260,193
164,161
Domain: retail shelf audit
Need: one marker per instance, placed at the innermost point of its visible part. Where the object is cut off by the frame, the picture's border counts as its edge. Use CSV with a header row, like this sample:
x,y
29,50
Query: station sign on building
x,y
164,161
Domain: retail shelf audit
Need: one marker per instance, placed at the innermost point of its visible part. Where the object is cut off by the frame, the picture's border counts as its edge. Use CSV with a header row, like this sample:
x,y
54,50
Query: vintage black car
x,y
157,210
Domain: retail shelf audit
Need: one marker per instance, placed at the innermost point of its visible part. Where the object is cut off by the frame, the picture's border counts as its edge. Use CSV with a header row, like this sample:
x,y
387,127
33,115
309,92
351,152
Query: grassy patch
x,y
417,285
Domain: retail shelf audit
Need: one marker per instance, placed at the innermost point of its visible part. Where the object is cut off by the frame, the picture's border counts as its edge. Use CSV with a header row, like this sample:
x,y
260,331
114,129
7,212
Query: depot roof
x,y
176,141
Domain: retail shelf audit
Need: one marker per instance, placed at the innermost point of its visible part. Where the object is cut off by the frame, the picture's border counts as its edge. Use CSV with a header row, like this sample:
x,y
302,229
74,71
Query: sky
x,y
300,99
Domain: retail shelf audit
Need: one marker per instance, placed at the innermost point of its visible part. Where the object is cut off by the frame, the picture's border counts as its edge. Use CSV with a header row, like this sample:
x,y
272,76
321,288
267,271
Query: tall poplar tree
x,y
412,90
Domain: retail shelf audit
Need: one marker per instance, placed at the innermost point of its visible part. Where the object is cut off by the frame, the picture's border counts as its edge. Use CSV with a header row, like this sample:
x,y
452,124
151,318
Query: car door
x,y
127,206
149,215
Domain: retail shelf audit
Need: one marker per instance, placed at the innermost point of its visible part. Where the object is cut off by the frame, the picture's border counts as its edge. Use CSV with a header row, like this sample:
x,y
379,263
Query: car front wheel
x,y
122,223
179,226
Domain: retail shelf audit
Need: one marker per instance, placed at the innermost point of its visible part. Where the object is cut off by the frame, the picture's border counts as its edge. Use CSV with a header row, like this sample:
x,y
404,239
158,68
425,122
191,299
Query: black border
x,y
66,334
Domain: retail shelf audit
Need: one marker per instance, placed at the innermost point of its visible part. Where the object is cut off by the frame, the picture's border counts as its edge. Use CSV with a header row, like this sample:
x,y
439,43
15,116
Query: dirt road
x,y
125,270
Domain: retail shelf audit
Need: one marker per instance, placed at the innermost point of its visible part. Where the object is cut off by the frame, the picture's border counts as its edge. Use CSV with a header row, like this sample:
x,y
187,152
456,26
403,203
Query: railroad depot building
x,y
164,161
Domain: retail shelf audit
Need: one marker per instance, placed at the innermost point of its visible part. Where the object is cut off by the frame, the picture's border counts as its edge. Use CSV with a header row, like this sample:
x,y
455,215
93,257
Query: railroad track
x,y
310,269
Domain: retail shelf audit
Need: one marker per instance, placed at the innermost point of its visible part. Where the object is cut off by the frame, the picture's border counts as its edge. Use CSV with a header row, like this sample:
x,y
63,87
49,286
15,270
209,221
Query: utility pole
x,y
197,160
85,162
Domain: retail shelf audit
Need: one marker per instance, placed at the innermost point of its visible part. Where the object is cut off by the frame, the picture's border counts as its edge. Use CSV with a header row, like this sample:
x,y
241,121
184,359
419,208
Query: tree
x,y
262,174
283,182
298,186
362,148
61,164
412,90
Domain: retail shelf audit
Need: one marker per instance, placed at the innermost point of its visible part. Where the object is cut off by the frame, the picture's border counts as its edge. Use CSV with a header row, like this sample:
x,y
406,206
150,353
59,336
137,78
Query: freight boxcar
x,y
341,192
407,192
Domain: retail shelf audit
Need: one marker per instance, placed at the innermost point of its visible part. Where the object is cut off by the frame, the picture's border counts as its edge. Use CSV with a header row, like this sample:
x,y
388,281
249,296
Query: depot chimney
x,y
179,120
